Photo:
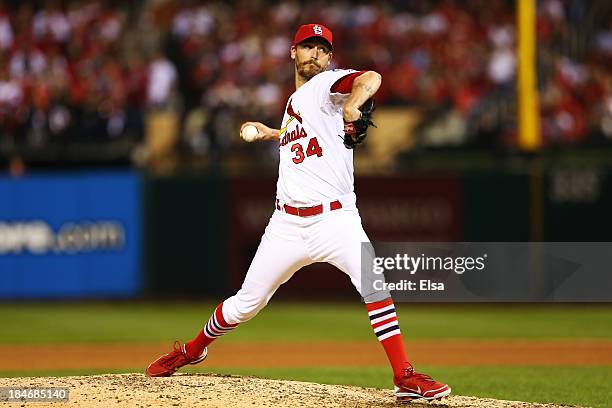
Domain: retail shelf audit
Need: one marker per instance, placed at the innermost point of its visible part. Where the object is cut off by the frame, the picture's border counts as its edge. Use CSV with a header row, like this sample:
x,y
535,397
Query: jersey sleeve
x,y
344,85
325,81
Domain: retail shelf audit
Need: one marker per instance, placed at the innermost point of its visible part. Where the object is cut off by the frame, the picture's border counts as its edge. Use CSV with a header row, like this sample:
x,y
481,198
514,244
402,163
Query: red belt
x,y
308,211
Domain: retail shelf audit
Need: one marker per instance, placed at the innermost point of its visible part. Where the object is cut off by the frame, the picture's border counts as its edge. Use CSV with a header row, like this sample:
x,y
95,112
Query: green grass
x,y
585,386
281,321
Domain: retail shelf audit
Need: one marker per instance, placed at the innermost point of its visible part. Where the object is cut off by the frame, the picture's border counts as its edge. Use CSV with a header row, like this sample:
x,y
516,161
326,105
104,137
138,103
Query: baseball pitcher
x,y
315,217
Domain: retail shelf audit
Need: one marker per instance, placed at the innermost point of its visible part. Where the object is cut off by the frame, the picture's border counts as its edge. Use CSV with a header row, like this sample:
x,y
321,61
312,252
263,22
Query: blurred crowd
x,y
66,73
171,75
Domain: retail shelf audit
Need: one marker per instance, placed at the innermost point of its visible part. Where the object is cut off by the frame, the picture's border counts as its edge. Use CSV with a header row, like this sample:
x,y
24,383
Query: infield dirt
x,y
22,357
207,390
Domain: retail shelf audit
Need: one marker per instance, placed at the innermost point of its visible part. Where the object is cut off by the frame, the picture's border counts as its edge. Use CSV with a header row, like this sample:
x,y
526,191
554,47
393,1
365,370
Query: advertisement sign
x,y
70,235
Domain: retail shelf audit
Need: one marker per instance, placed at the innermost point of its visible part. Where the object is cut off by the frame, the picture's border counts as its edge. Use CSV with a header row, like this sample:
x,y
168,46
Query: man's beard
x,y
308,69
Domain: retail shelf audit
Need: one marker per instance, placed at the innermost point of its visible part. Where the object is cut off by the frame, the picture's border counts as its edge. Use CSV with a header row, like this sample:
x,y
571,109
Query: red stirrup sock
x,y
386,327
216,327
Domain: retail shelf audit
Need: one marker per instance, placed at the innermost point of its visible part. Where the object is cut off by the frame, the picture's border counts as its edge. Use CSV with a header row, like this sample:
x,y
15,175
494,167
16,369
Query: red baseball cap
x,y
313,30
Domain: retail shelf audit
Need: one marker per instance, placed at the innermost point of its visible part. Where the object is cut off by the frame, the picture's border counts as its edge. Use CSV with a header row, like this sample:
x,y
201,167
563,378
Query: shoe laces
x,y
409,372
423,377
171,358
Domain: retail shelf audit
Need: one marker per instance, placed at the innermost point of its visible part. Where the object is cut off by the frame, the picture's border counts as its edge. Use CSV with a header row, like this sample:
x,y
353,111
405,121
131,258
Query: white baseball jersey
x,y
314,166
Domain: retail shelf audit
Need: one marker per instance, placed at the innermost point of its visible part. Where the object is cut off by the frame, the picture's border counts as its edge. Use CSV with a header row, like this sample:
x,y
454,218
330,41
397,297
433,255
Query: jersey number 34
x,y
312,149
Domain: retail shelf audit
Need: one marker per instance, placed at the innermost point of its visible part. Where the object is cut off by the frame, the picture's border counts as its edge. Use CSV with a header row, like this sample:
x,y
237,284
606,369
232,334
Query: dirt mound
x,y
200,390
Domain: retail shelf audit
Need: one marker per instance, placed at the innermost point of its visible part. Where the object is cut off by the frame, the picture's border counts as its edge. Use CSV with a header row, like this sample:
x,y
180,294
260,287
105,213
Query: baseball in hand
x,y
249,133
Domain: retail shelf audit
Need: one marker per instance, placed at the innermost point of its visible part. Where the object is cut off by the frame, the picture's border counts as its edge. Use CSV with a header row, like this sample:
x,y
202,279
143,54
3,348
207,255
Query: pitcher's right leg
x,y
280,254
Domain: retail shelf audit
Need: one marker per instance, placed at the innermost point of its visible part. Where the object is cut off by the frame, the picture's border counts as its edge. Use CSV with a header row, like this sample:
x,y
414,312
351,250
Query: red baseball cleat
x,y
416,385
167,364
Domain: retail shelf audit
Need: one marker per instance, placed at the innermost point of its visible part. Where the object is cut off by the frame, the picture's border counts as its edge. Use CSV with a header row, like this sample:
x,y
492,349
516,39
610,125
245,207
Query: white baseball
x,y
249,133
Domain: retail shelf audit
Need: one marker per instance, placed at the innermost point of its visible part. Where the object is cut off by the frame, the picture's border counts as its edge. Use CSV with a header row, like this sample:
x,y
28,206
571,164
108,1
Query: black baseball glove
x,y
355,132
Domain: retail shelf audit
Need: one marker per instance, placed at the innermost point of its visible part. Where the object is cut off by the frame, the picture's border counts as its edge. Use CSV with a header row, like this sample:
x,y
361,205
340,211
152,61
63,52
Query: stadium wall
x,y
123,234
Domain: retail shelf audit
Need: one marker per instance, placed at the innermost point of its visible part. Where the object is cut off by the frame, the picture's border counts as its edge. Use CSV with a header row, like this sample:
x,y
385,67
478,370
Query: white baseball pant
x,y
291,242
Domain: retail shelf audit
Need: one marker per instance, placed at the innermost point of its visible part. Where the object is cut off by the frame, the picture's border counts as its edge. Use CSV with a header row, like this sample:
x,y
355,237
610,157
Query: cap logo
x,y
317,30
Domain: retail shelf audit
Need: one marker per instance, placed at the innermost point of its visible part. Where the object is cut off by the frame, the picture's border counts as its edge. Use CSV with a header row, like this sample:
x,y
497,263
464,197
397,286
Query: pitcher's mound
x,y
209,390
